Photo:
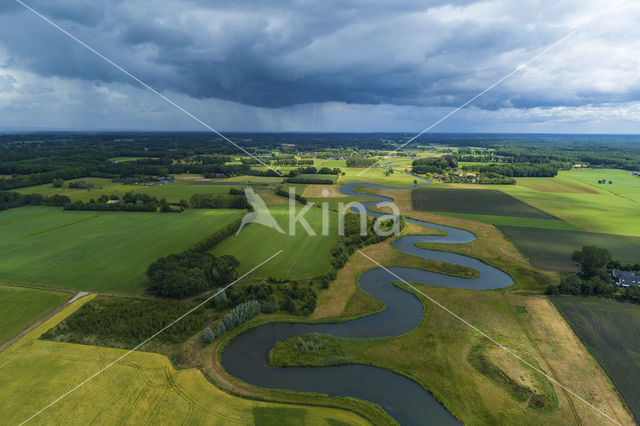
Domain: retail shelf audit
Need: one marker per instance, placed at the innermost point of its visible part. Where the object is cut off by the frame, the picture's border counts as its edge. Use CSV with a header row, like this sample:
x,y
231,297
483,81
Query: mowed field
x,y
97,251
611,332
584,206
20,307
172,192
482,205
486,202
623,183
143,388
552,248
591,207
302,255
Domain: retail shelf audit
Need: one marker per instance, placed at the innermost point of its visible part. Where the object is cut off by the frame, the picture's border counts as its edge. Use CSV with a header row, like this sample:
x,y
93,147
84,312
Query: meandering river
x,y
246,355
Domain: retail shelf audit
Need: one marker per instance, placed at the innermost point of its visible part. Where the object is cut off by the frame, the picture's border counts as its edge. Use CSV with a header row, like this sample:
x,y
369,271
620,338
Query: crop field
x,y
623,184
559,184
97,251
375,175
48,189
21,307
253,179
303,255
594,209
473,201
552,248
172,192
143,388
317,177
512,220
611,332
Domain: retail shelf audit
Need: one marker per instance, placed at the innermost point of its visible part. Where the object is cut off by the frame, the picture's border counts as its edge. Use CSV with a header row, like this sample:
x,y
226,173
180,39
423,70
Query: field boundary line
x,y
491,339
147,339
520,67
42,320
142,83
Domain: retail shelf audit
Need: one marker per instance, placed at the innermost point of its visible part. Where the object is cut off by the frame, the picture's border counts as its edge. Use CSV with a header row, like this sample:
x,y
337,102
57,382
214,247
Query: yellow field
x,y
143,388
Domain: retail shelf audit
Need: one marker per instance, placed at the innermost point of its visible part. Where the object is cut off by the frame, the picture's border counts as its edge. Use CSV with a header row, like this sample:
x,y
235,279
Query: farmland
x,y
594,209
611,332
172,192
527,230
97,251
21,307
623,184
585,207
552,248
302,255
143,388
470,201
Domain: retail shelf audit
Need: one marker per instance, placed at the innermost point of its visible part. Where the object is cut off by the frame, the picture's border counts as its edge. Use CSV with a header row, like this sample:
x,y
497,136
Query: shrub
x,y
208,336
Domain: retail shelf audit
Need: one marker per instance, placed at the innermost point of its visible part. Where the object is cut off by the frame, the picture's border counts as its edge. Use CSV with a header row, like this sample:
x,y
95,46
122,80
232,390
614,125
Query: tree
x,y
571,285
632,292
552,290
57,183
591,259
208,336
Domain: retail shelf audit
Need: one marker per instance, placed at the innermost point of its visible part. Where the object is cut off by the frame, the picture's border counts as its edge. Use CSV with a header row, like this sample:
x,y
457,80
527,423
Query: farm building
x,y
625,278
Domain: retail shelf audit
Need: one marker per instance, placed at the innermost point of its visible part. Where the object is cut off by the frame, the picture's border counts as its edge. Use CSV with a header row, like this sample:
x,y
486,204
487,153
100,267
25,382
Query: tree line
x,y
195,270
130,202
10,200
125,322
594,278
219,201
237,316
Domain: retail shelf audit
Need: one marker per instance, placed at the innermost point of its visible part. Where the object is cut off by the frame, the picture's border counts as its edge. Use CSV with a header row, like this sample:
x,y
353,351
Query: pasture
x,y
611,332
144,388
471,201
20,307
375,175
172,192
97,251
552,248
592,209
623,184
303,255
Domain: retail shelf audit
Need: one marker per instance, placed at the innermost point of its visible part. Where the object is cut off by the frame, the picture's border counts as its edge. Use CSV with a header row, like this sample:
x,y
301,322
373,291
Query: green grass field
x,y
552,248
473,201
592,208
375,175
143,388
172,192
317,177
303,255
611,332
97,251
624,184
21,307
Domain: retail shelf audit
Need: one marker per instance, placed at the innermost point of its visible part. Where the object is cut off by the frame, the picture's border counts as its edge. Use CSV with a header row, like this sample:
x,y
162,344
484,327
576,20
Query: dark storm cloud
x,y
255,53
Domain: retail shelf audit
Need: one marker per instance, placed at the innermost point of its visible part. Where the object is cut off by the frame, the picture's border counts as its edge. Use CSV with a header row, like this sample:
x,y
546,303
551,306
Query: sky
x,y
330,65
